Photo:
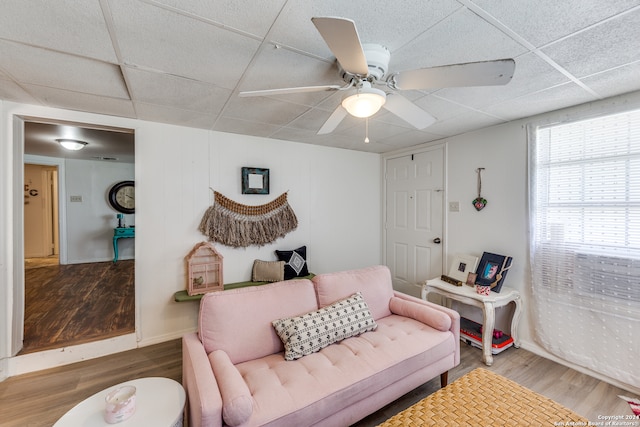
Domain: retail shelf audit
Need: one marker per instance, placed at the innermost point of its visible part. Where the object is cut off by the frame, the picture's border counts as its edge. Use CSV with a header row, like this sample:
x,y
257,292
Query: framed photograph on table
x,y
461,266
492,270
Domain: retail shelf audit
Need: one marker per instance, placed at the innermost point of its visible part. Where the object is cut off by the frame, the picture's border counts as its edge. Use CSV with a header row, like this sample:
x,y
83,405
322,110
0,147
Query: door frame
x,y
407,152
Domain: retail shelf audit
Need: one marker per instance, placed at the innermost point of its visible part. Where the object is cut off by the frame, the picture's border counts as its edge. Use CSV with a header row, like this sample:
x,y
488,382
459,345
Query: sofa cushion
x,y
373,282
267,271
246,334
295,262
237,403
433,318
311,332
303,391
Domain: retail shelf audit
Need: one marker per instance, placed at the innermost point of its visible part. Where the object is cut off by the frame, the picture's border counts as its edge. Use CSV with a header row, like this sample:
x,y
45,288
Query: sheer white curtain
x,y
584,196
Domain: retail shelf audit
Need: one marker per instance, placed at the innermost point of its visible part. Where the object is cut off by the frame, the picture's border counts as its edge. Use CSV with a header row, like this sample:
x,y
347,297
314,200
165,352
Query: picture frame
x,y
471,279
255,180
492,270
461,266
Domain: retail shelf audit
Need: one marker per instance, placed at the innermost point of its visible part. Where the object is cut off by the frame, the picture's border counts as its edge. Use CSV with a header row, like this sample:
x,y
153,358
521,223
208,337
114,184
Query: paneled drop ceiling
x,y
184,61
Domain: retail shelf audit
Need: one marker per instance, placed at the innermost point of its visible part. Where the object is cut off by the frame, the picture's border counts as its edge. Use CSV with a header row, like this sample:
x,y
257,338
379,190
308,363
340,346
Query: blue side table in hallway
x,y
121,233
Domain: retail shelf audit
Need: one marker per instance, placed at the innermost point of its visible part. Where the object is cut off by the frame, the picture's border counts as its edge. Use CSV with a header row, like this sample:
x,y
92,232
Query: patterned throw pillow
x,y
296,262
311,332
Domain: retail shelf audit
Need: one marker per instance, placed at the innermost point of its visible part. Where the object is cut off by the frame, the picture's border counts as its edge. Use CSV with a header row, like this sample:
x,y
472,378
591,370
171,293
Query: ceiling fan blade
x,y
333,121
485,73
408,111
288,90
341,35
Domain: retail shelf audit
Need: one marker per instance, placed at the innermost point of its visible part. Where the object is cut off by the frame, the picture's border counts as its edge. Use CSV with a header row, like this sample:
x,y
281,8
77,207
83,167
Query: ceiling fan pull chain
x,y
366,130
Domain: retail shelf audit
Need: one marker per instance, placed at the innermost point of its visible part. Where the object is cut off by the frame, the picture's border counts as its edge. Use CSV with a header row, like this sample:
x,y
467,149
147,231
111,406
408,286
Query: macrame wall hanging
x,y
237,225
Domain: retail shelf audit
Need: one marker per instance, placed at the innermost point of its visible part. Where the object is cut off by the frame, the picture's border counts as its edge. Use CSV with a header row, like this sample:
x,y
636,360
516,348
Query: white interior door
x,y
414,218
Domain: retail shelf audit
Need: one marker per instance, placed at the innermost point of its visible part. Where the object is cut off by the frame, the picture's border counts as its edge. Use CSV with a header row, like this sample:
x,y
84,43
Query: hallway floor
x,y
77,303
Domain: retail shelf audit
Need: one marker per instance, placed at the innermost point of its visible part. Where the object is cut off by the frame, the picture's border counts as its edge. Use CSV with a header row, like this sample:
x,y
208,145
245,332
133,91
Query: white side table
x,y
468,295
159,403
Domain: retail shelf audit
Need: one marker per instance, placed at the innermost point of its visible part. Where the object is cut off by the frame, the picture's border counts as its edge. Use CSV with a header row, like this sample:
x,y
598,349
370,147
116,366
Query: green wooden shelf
x,y
182,296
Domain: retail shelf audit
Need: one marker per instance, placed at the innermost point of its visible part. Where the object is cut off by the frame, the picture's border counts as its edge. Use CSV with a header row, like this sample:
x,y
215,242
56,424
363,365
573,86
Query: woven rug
x,y
482,398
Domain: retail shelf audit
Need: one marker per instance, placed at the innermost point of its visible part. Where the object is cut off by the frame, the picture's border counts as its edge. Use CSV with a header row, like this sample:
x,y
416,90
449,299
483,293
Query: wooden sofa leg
x,y
444,378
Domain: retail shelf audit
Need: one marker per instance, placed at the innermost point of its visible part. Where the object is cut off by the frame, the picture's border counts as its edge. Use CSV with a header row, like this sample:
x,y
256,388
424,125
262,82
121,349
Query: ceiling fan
x,y
365,66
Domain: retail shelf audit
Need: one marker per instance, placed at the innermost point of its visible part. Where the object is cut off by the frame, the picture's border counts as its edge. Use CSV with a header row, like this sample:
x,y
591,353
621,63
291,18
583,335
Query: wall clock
x,y
122,197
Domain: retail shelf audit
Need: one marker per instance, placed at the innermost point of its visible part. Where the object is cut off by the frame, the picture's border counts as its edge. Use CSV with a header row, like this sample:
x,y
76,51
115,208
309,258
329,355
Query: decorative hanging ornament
x,y
479,202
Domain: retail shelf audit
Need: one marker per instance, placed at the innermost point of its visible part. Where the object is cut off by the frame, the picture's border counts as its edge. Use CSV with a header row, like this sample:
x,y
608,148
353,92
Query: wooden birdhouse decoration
x,y
205,269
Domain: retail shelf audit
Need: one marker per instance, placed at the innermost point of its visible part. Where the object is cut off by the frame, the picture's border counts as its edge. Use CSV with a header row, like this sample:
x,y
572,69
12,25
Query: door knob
x,y
437,241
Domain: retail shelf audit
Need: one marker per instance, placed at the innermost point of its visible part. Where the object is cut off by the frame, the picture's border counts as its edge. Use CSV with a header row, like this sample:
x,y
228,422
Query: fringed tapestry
x,y
237,225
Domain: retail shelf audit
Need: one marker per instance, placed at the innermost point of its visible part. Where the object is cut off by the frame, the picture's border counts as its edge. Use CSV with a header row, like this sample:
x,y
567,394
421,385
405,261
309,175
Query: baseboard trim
x,y
47,359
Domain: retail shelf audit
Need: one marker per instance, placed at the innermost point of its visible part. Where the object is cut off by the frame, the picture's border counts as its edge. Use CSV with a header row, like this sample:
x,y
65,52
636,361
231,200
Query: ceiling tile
x,y
461,37
310,119
263,110
74,26
58,70
464,123
176,116
550,99
441,108
82,101
531,74
294,27
152,37
616,81
543,21
176,92
276,68
614,43
409,139
11,91
254,17
244,127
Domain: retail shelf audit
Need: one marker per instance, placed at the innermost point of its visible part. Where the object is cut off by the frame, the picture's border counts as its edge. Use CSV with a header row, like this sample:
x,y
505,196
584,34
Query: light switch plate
x,y
75,198
454,206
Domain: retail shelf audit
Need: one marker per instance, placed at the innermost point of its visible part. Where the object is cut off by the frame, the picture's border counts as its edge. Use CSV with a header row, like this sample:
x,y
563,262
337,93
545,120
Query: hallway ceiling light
x,y
72,144
364,101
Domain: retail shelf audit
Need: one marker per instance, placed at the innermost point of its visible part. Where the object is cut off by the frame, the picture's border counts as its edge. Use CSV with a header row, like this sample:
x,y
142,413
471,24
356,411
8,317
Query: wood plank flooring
x,y
77,303
39,399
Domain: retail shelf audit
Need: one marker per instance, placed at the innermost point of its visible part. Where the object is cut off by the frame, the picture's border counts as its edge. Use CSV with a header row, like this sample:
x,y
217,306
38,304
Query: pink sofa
x,y
235,373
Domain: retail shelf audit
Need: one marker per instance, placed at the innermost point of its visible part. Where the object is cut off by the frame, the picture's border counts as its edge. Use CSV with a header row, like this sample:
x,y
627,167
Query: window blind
x,y
585,241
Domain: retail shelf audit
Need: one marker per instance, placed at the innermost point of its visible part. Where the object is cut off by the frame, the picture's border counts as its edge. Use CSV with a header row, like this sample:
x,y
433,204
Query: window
x,y
585,237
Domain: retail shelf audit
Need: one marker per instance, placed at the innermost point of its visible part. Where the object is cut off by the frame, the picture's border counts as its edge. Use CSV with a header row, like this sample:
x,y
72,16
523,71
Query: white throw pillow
x,y
313,331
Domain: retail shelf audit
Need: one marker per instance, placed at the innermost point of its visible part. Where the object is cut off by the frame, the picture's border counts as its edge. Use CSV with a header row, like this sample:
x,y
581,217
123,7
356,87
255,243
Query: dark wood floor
x,y
39,399
78,303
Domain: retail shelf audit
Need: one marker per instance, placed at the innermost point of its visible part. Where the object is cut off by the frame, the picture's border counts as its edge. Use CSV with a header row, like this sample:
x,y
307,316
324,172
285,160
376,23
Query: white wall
x,y
90,223
334,193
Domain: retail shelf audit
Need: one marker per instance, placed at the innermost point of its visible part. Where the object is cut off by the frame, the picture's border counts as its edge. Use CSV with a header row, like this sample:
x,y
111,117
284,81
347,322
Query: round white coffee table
x,y
159,403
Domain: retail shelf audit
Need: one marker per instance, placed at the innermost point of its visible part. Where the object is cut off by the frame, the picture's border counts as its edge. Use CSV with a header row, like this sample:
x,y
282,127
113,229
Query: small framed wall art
x,y
255,180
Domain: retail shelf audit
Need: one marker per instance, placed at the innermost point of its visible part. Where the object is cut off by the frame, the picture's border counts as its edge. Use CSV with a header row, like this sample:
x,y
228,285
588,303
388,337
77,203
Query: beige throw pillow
x,y
267,271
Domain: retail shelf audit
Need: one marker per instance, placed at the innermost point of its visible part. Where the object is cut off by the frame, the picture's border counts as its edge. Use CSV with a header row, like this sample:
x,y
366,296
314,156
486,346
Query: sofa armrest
x,y
237,403
204,402
454,315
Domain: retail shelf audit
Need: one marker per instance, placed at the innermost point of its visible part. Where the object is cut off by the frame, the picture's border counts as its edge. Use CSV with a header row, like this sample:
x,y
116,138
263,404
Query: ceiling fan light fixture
x,y
71,144
365,101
